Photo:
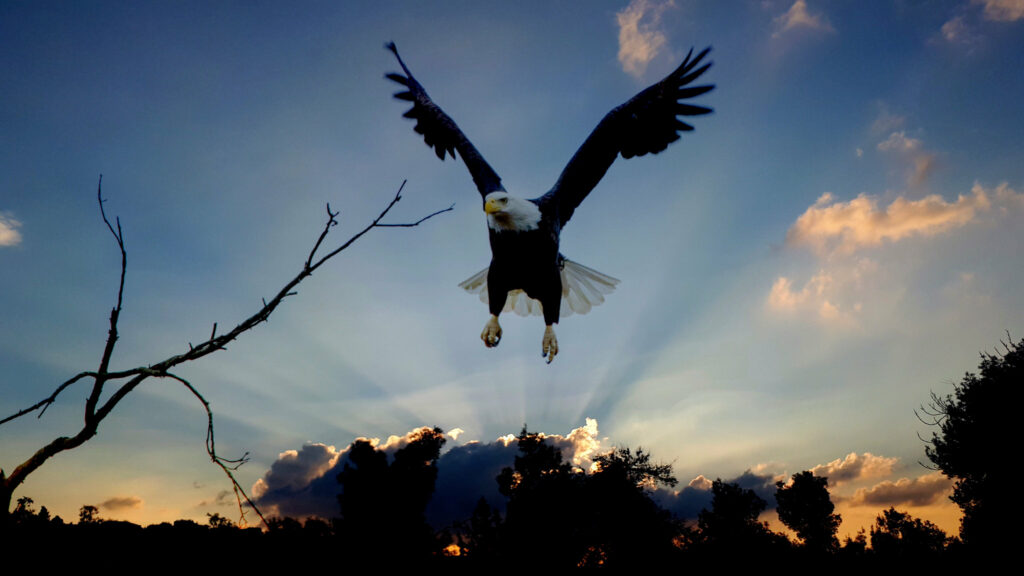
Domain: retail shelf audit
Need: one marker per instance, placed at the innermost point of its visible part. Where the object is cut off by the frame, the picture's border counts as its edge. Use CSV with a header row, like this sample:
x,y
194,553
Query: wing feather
x,y
439,131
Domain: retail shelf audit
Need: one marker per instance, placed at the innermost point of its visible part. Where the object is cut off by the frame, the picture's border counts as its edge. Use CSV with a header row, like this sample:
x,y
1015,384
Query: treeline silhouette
x,y
558,516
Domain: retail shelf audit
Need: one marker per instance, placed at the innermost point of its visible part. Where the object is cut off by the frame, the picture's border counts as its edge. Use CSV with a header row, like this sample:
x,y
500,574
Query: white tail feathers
x,y
582,289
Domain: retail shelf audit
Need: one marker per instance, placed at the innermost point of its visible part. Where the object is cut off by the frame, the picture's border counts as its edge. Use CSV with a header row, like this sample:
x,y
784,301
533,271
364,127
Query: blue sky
x,y
841,237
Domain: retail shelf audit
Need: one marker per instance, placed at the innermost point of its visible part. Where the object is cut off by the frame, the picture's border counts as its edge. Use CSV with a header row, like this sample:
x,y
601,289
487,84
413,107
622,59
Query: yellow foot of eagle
x,y
492,333
549,346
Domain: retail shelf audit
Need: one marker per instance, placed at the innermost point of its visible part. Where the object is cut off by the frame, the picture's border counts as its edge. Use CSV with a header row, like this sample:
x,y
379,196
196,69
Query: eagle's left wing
x,y
647,123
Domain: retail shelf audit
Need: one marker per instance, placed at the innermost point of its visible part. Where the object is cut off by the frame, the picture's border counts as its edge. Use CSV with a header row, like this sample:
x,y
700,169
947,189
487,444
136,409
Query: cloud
x,y
302,483
696,496
921,162
1006,199
1003,10
640,36
956,30
836,231
295,469
886,120
919,491
454,433
855,467
831,296
700,483
9,235
797,17
813,295
121,503
898,141
829,226
223,498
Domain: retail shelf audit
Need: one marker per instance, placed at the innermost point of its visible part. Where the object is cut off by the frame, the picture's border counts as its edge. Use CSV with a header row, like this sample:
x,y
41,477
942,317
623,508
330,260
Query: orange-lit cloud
x,y
855,467
700,483
798,17
118,503
847,284
844,227
585,444
640,35
1003,10
9,235
832,297
920,491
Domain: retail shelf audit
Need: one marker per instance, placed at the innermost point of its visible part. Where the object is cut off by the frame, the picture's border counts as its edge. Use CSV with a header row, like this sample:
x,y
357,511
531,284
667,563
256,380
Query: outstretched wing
x,y
439,130
645,124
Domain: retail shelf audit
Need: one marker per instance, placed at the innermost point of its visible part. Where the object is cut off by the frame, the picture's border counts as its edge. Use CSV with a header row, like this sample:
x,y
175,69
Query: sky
x,y
838,240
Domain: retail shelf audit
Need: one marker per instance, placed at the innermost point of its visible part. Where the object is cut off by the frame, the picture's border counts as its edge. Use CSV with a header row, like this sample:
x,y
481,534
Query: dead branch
x,y
128,380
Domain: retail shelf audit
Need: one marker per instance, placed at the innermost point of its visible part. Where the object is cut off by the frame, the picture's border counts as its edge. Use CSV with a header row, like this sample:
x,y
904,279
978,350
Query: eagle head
x,y
506,212
496,202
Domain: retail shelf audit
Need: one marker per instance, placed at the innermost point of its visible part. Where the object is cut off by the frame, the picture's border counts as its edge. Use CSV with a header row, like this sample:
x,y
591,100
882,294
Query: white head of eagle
x,y
524,233
509,213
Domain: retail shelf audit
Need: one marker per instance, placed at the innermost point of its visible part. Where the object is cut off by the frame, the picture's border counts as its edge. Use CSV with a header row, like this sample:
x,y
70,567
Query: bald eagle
x,y
527,268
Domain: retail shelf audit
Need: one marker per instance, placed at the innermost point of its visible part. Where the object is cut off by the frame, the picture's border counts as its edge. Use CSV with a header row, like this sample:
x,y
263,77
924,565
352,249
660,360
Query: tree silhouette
x,y
88,514
478,537
898,534
805,507
382,505
625,527
731,524
634,469
976,424
558,517
542,525
109,386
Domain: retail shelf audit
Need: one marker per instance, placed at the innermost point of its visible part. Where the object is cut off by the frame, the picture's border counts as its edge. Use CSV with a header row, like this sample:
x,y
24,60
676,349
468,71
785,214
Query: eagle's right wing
x,y
439,131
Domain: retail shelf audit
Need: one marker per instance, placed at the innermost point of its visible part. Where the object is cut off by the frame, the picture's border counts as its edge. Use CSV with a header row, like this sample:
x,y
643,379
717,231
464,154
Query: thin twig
x,y
211,450
418,222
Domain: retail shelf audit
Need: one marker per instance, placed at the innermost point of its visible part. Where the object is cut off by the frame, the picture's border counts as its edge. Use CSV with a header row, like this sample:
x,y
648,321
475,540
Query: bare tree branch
x,y
95,412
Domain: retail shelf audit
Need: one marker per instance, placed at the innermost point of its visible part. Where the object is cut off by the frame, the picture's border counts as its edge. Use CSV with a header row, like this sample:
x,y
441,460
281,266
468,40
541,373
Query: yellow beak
x,y
491,207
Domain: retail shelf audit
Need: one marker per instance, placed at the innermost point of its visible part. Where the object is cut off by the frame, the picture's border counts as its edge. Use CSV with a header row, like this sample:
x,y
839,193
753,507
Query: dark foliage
x,y
558,517
545,498
805,507
383,504
732,521
900,535
976,424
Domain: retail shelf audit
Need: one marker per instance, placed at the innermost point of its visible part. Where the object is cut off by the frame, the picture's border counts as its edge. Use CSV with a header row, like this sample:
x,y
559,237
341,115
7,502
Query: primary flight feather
x,y
528,274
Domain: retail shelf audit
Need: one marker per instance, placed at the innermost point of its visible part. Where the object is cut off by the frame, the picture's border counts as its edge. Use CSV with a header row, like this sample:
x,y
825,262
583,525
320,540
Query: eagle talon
x,y
549,346
492,333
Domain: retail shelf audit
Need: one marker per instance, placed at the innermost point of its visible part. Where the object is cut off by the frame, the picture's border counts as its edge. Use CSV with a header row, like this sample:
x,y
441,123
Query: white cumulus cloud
x,y
855,467
640,34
